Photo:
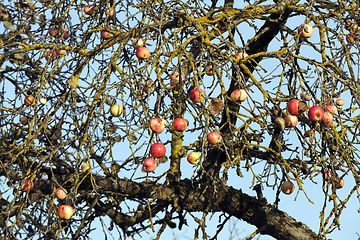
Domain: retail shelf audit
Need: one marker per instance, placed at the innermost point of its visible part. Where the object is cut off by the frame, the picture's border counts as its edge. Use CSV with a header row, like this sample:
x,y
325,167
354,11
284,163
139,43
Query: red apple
x,y
110,12
210,70
305,30
291,120
142,53
138,42
65,35
116,110
238,95
214,137
327,175
241,55
350,38
60,193
50,54
180,124
149,165
85,167
157,150
52,31
65,212
27,185
89,9
331,108
19,223
195,96
327,118
287,187
157,126
340,102
293,107
175,79
106,34
315,113
193,158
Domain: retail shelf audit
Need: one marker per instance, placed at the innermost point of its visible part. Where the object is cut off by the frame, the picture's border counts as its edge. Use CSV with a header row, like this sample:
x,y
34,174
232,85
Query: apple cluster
x,y
353,28
334,178
315,114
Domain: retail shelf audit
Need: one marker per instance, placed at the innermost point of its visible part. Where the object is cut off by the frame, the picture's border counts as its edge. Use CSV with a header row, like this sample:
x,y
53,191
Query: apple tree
x,y
90,92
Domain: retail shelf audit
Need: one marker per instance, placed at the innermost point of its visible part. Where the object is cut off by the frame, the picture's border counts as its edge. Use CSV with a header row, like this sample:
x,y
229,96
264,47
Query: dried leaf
x,y
302,106
163,159
9,25
216,105
308,133
132,137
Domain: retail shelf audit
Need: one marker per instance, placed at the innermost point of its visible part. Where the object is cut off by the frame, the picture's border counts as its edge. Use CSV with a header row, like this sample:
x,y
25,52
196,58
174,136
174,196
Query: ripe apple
x,y
61,52
27,185
116,110
331,108
52,31
65,212
241,55
238,95
19,223
89,9
60,193
43,101
214,137
193,158
149,87
106,34
350,38
138,42
195,96
29,100
351,26
210,70
85,167
142,53
110,12
157,126
327,175
339,183
157,150
279,123
291,120
293,107
65,35
287,187
24,120
305,30
149,165
340,102
315,113
327,118
175,79
50,54
180,124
